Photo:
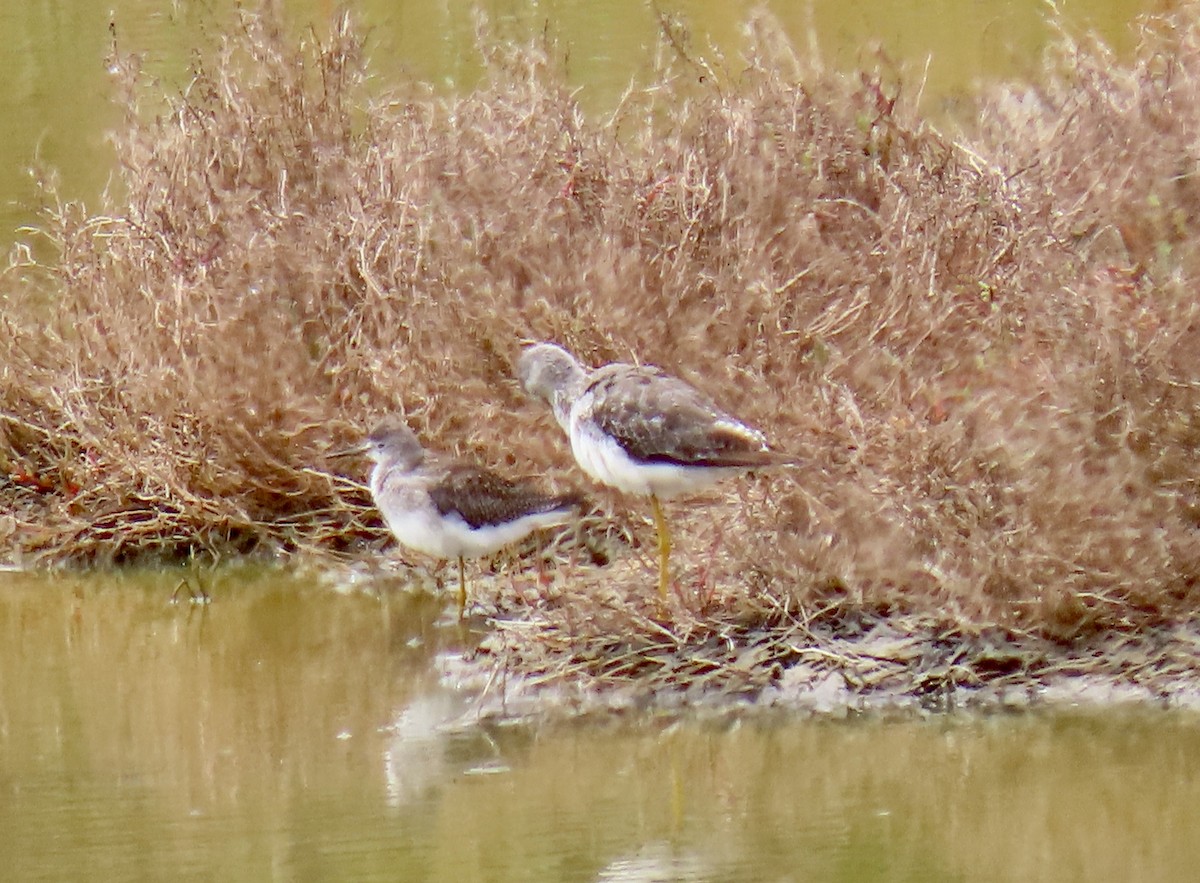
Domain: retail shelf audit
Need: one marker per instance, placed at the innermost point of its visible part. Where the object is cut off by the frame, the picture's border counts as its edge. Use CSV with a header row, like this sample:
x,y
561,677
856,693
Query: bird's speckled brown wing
x,y
484,498
658,418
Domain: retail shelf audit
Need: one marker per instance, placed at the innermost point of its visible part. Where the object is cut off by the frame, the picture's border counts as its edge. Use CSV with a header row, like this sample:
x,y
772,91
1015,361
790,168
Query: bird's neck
x,y
562,410
564,398
391,463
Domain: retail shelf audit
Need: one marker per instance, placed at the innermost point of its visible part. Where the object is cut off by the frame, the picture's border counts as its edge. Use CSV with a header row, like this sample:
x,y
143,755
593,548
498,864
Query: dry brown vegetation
x,y
984,345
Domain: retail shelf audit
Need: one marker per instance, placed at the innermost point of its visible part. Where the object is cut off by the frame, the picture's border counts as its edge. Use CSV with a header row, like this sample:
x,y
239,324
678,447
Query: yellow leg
x,y
462,589
664,547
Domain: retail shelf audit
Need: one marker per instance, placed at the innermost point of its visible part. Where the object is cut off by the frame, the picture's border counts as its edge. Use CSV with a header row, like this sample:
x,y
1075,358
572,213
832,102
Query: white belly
x,y
423,530
606,461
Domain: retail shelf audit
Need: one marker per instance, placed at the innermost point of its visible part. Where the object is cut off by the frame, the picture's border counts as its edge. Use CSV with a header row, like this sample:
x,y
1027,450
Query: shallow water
x,y
293,731
56,97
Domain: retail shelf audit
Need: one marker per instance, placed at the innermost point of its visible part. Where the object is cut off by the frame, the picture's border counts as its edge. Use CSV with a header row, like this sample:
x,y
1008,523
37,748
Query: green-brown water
x,y
292,731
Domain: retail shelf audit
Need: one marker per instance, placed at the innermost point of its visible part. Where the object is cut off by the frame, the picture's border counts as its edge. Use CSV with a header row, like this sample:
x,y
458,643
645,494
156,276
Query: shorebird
x,y
450,508
643,431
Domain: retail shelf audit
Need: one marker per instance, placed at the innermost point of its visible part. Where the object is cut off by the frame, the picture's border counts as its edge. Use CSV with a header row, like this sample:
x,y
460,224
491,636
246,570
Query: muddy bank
x,y
523,663
889,670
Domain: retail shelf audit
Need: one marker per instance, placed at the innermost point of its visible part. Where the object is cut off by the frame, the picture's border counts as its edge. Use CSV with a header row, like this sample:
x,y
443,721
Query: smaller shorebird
x,y
452,509
643,431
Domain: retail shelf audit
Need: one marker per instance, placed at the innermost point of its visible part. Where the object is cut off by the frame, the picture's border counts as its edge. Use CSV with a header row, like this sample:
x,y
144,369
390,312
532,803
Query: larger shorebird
x,y
643,431
452,509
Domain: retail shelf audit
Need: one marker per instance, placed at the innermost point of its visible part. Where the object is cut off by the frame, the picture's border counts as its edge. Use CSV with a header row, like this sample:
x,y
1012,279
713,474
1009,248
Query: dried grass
x,y
984,345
